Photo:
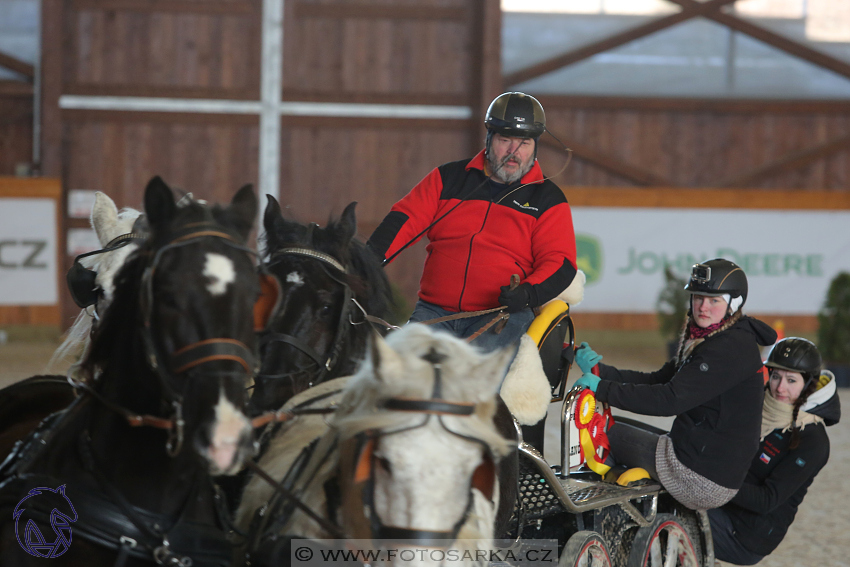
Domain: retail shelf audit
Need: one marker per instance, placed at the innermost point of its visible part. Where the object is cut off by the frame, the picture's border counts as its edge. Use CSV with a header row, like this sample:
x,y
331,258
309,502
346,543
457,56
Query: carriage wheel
x,y
664,543
585,549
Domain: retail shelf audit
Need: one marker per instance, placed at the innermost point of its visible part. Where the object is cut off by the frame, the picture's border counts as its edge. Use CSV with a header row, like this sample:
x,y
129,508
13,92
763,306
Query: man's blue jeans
x,y
517,324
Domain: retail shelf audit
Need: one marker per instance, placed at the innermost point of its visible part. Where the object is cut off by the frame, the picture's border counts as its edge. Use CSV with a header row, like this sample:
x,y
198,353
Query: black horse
x,y
161,410
330,281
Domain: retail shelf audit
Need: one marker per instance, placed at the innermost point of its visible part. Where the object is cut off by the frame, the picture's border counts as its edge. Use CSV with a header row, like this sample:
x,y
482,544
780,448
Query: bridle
x,y
324,363
187,357
358,464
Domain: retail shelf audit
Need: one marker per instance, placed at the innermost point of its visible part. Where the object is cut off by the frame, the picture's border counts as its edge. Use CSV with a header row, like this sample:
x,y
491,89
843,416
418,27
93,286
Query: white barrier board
x,y
28,252
789,256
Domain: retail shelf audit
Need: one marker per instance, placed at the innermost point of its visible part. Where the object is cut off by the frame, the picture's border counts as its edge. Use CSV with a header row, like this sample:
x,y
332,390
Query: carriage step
x,y
539,499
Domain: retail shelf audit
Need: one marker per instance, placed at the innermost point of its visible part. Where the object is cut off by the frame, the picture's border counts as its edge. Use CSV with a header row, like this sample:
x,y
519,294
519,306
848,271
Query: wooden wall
x,y
412,52
15,125
705,143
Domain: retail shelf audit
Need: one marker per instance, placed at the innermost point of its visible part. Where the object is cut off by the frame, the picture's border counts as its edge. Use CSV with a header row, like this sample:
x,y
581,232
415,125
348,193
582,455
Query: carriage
x,y
597,523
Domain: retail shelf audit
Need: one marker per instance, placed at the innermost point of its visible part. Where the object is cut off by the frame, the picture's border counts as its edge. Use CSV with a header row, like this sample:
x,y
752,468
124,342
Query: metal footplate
x,y
544,492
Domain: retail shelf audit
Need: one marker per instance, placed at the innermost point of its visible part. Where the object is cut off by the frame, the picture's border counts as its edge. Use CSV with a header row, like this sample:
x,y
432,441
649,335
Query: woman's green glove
x,y
588,380
586,358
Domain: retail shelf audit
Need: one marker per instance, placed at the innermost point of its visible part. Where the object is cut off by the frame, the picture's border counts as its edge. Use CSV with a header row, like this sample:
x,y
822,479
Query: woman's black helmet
x,y
718,277
516,114
797,355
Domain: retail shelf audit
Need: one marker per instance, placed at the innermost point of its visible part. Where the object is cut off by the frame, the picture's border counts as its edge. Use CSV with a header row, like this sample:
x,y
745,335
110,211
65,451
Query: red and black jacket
x,y
527,229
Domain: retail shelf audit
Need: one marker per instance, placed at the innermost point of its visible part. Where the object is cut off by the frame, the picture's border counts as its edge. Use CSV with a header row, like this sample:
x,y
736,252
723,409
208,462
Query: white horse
x,y
108,223
412,448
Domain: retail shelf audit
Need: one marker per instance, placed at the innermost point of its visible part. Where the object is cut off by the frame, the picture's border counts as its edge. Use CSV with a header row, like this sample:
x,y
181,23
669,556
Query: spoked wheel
x,y
585,549
664,543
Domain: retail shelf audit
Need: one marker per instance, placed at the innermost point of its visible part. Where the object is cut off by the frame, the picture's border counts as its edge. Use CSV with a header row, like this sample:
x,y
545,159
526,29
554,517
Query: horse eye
x,y
384,464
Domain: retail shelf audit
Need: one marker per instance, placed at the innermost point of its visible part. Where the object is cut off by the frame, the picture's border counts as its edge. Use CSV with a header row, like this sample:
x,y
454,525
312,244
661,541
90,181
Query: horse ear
x,y
347,226
271,215
159,203
386,363
104,218
243,209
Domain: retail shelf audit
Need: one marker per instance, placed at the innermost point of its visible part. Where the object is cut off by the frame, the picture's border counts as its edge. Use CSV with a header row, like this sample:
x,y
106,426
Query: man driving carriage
x,y
487,218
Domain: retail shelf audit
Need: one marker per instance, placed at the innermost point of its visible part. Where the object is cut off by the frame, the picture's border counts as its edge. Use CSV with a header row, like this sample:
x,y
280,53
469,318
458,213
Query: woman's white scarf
x,y
777,415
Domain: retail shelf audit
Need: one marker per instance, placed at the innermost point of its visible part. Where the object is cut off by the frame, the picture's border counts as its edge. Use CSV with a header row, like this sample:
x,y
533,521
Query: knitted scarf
x,y
777,415
692,334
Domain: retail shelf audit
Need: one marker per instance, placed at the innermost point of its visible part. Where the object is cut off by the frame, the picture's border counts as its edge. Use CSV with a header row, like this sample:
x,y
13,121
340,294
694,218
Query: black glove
x,y
516,299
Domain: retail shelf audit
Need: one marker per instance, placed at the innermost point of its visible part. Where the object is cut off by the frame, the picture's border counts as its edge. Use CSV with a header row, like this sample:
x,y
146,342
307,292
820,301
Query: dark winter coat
x,y
779,478
716,395
526,229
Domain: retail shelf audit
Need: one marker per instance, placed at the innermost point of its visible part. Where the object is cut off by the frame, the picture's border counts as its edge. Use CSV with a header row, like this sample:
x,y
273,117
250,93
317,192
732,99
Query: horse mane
x,y
367,278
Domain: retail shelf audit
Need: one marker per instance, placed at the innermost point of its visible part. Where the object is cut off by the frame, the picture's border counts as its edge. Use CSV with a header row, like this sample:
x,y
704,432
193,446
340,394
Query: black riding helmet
x,y
797,355
718,277
517,115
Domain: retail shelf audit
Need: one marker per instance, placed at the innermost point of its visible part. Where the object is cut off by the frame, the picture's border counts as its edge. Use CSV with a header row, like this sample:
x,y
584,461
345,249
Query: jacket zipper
x,y
469,257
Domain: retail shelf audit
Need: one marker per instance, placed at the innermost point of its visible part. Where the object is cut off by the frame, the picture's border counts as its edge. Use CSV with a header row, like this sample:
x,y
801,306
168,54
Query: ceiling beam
x,y
693,10
16,65
609,163
787,45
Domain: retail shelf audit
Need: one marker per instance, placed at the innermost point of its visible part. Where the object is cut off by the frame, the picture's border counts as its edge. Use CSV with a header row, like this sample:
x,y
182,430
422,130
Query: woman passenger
x,y
714,387
799,403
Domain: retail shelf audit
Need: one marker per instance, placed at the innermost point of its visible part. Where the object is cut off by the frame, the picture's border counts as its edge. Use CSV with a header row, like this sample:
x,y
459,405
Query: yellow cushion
x,y
548,314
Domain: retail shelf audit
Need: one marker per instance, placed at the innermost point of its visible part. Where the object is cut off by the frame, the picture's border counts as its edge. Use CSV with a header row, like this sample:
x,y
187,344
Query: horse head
x,y
183,308
328,279
418,445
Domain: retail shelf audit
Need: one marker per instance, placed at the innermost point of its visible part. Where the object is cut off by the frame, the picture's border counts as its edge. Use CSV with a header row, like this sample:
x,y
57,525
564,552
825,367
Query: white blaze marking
x,y
229,425
295,278
220,272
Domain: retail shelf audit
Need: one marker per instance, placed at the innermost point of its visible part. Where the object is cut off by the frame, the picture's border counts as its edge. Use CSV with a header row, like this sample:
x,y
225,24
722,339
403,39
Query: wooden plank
x,y
558,62
745,106
706,198
121,116
348,11
486,79
609,163
428,99
15,89
41,315
168,6
16,65
788,162
52,28
780,42
333,122
162,91
35,187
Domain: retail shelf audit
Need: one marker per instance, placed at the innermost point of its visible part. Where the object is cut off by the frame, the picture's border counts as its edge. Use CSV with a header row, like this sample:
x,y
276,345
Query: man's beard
x,y
502,175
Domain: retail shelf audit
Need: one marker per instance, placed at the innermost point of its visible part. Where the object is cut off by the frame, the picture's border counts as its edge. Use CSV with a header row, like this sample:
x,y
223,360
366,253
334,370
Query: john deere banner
x,y
27,251
789,256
